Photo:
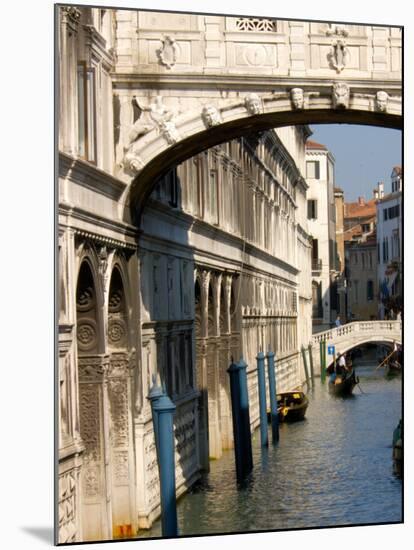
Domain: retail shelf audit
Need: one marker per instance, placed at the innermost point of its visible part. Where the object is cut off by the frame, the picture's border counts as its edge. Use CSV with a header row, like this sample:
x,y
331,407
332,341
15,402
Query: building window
x,y
172,187
366,228
213,196
317,310
385,249
312,209
395,243
86,112
385,213
312,169
379,252
370,291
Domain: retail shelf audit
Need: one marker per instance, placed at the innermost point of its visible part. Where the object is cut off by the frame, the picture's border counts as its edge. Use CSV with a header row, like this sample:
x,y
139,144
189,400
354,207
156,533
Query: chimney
x,y
376,193
361,201
381,189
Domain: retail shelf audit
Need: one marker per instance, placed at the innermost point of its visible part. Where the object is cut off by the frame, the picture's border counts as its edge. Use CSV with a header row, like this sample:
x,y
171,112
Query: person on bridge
x,y
338,322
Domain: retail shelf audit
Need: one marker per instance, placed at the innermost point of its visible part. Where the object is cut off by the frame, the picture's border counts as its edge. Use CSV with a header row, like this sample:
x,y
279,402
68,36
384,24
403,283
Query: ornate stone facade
x,y
173,279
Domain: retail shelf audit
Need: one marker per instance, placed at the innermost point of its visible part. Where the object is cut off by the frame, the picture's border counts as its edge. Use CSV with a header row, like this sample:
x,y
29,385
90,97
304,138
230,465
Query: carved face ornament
x,y
341,95
297,98
382,101
210,116
253,104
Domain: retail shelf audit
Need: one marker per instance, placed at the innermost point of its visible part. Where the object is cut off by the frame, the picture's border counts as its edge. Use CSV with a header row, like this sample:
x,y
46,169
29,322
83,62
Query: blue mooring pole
x,y
245,415
237,420
241,419
262,398
273,396
155,394
163,410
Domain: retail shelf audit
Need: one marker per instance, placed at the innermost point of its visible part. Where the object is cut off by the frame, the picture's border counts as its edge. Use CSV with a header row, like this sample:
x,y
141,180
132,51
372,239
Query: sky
x,y
364,155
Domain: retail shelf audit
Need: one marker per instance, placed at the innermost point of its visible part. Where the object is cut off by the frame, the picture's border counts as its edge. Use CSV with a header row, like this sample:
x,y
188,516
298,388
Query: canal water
x,y
332,469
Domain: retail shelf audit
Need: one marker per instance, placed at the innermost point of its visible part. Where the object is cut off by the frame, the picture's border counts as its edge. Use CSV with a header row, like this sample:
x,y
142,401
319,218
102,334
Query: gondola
x,y
343,384
393,368
291,406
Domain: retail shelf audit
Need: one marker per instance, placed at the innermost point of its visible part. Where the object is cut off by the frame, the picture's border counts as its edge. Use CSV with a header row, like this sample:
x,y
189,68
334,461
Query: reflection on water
x,y
334,468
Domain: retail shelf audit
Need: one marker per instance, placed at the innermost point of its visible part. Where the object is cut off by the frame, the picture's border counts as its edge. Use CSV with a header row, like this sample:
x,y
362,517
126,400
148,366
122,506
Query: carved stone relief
x,y
86,334
211,116
118,401
339,55
67,507
340,95
168,52
253,104
90,421
381,101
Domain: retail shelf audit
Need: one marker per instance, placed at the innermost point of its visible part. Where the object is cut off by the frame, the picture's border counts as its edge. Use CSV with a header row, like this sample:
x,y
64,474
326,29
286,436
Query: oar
x,y
388,356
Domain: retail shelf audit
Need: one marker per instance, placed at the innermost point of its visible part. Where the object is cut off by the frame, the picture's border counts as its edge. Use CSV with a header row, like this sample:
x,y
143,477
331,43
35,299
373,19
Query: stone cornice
x,y
97,44
247,82
74,213
87,175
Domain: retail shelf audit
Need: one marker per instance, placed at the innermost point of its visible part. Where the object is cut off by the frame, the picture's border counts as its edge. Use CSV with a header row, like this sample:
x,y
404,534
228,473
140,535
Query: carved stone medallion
x,y
168,52
86,334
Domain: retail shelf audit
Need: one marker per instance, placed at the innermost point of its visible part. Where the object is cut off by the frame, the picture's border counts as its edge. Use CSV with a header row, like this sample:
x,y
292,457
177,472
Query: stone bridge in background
x,y
185,82
355,334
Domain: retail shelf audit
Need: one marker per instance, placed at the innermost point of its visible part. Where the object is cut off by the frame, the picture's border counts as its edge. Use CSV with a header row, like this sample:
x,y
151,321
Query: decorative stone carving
x,y
91,481
67,508
119,365
253,104
211,116
115,301
254,24
86,334
118,399
138,130
340,95
297,98
339,53
381,101
168,52
133,163
85,299
121,469
116,332
90,421
169,132
161,118
72,13
90,369
103,265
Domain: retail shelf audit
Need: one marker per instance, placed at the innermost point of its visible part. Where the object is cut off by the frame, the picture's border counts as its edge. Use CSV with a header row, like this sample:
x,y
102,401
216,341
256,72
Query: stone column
x,y
202,370
69,21
71,447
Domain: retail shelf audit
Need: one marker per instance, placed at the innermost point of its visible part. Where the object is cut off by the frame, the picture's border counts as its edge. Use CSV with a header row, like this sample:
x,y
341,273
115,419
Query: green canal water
x,y
332,469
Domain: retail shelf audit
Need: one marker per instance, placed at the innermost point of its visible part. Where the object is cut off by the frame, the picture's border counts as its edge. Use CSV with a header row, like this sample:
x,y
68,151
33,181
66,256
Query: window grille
x,y
256,25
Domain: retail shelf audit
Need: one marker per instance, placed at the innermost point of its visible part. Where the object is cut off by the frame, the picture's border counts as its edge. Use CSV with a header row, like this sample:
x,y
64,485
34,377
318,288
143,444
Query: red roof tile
x,y
357,210
314,145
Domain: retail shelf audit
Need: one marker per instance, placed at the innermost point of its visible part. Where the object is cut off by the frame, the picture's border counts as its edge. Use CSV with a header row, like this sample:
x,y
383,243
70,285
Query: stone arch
x,y
119,387
359,342
95,475
152,156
